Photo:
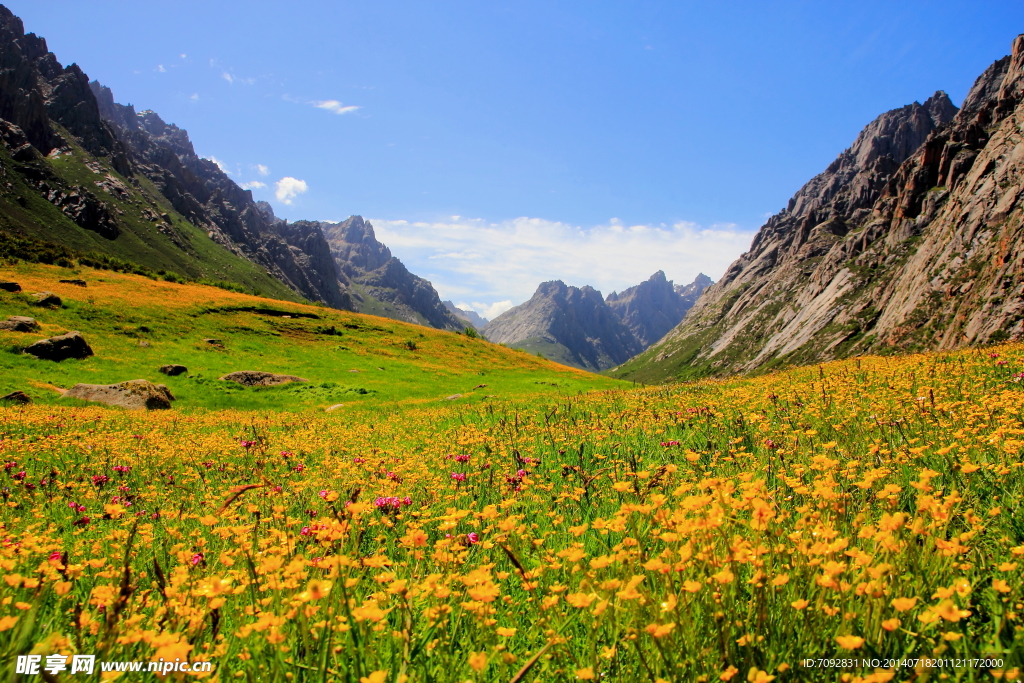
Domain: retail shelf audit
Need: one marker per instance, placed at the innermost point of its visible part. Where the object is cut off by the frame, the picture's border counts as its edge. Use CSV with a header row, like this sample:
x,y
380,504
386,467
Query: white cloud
x,y
334,106
227,77
194,97
254,185
183,55
289,188
231,78
220,164
497,264
161,69
262,170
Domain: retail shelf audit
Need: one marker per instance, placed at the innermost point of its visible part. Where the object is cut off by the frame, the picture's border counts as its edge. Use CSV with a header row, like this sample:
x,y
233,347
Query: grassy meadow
x,y
867,511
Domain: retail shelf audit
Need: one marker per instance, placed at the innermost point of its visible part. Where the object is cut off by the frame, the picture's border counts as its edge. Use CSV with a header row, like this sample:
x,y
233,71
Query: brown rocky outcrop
x,y
16,397
173,370
136,394
61,347
256,378
912,239
47,300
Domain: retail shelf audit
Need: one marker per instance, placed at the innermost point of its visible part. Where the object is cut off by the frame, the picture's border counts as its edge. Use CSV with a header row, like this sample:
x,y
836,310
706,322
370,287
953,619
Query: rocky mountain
x,y
378,283
911,239
467,315
74,185
654,307
569,325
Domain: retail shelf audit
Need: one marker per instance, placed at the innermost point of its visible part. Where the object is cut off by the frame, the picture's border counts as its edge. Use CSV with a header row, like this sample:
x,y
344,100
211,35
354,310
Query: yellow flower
x,y
478,660
7,623
1001,586
375,677
660,630
951,636
585,674
580,600
891,624
755,675
799,604
724,576
505,632
949,611
903,604
692,586
728,673
849,642
780,580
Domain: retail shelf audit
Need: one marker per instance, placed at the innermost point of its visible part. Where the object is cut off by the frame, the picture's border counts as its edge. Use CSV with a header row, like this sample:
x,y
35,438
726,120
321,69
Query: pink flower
x,y
299,468
459,476
305,531
197,558
473,537
358,461
323,494
459,458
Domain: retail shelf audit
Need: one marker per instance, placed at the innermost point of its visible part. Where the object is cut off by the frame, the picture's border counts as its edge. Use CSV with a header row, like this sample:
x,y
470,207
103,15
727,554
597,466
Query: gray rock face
x,y
912,239
379,283
570,325
173,370
61,347
470,317
256,378
19,323
654,307
136,394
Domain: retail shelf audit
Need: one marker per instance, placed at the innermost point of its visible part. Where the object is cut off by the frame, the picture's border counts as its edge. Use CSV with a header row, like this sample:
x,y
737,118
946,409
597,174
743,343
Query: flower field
x,y
861,510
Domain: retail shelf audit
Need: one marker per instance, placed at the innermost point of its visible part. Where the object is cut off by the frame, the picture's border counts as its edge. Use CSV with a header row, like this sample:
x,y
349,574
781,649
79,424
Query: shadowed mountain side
x,y
468,316
654,307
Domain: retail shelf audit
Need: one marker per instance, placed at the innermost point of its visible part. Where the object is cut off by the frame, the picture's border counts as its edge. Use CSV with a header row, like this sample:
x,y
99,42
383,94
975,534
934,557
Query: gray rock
x,y
136,394
256,378
16,397
452,397
80,283
19,323
48,299
334,407
61,347
10,287
173,370
654,307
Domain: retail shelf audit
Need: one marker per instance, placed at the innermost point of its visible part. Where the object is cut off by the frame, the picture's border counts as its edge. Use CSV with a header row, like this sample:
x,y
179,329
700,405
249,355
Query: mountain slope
x,y
379,283
911,239
468,316
654,307
570,325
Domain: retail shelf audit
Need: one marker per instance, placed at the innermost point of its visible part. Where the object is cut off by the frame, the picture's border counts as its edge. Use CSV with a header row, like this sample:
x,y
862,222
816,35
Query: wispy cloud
x,y
497,264
253,185
289,188
161,69
262,170
335,106
194,97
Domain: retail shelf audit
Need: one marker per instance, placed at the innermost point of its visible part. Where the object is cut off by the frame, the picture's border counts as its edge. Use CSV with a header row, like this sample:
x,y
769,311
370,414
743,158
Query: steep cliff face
x,y
911,239
570,325
201,192
654,307
378,283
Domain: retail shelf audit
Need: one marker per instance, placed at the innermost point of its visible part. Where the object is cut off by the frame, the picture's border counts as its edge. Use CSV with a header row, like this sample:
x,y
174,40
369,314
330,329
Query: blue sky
x,y
499,144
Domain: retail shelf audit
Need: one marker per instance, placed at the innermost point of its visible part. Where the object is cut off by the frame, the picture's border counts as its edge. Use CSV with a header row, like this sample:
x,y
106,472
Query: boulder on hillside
x,y
173,370
19,323
135,394
255,378
48,299
16,397
61,347
10,287
80,283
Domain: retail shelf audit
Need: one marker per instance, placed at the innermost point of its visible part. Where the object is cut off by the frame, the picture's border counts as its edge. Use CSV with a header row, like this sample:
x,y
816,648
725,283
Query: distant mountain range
x,y
911,239
577,326
467,315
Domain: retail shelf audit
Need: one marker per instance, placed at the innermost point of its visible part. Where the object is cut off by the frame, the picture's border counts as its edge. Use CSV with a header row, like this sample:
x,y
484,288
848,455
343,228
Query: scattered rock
x,y
452,397
10,286
334,407
19,323
47,299
144,344
173,370
136,394
17,397
354,371
214,342
255,378
479,386
80,283
61,347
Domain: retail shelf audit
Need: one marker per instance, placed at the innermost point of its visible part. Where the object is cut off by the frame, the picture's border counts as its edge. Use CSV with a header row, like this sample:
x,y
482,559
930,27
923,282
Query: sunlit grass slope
x,y
868,512
135,325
